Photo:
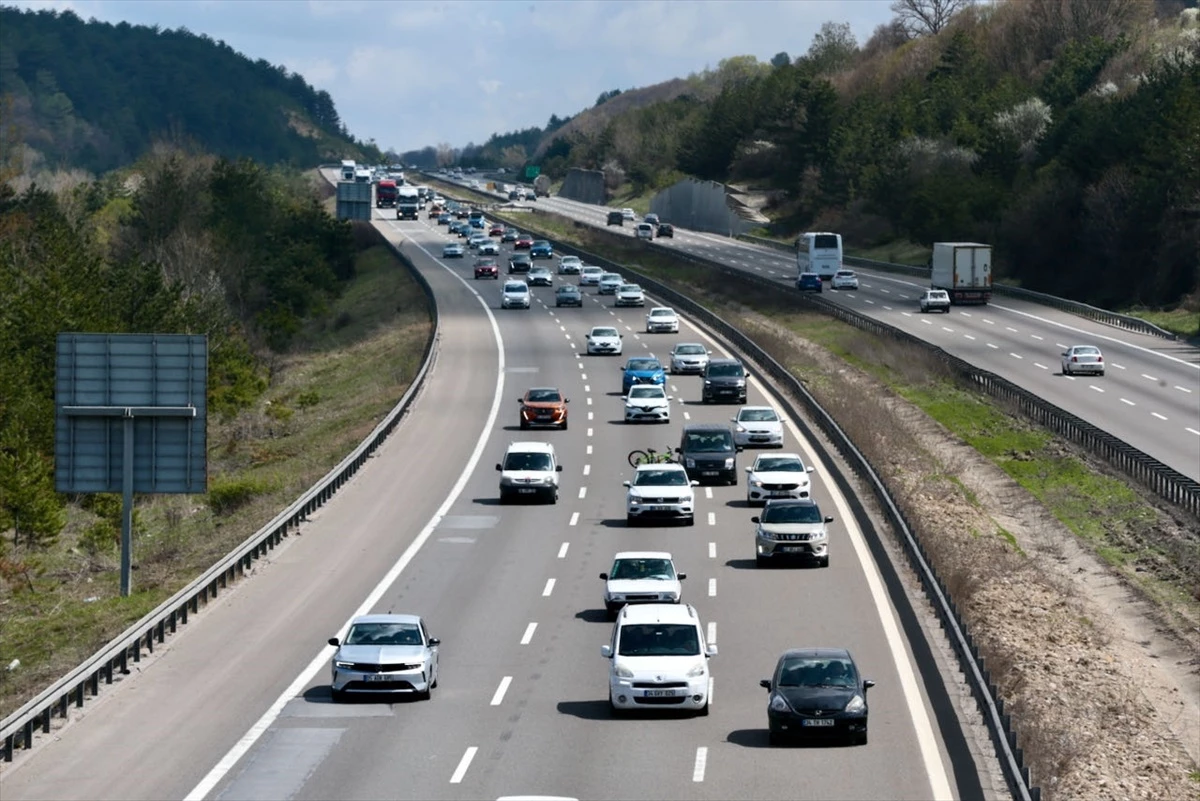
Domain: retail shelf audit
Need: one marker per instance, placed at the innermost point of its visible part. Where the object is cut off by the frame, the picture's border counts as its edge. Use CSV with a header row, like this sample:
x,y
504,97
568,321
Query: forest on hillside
x,y
95,96
199,245
1065,133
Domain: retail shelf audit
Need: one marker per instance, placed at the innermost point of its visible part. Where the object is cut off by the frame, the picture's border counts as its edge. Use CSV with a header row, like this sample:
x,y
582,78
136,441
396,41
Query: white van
x,y
658,659
644,231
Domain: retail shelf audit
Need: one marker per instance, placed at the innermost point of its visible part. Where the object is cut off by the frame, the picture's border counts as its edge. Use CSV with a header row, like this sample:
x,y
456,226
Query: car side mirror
x,y
711,650
738,449
566,400
733,419
694,483
754,519
765,684
606,651
334,642
621,336
808,468
868,684
520,400
434,641
604,576
681,576
828,519
749,469
558,468
670,397
626,483
498,467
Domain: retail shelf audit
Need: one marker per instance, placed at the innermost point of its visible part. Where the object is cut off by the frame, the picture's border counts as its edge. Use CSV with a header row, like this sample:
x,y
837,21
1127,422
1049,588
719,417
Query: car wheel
x,y
775,738
702,712
424,696
690,520
524,426
759,561
631,521
612,610
504,499
564,425
337,696
1101,374
616,711
825,560
862,738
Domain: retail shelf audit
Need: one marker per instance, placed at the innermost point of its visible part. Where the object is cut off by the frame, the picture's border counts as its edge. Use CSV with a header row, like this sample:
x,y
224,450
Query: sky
x,y
415,73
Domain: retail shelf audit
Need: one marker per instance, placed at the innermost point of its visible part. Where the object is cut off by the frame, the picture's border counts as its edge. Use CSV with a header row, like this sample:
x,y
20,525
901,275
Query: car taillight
x,y
1074,358
1099,358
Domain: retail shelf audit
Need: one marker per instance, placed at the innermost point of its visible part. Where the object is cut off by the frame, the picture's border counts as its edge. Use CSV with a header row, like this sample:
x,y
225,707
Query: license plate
x,y
816,722
379,677
658,508
792,549
709,472
665,694
527,490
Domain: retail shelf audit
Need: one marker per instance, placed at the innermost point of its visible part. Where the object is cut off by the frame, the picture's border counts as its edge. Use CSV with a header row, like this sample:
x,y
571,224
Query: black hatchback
x,y
519,263
817,693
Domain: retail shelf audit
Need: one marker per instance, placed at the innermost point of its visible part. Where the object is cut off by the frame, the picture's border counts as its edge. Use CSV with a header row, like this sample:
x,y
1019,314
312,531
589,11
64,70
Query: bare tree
x,y
919,17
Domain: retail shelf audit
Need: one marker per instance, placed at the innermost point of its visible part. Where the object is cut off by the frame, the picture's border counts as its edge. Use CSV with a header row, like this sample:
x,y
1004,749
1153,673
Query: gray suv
x,y
708,453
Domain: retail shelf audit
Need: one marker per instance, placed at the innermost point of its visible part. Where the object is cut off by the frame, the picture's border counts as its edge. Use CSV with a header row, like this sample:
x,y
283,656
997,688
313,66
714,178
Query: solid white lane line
x,y
712,550
501,690
320,662
1156,414
712,518
712,632
701,763
587,469
712,588
562,549
527,637
463,764
549,588
582,493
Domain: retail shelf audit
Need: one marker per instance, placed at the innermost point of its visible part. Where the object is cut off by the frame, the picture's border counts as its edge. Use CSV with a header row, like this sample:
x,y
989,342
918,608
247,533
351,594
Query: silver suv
x,y
791,529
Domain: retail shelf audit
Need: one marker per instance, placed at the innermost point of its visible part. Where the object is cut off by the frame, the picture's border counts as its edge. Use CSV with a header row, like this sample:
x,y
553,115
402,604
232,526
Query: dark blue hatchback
x,y
808,282
642,370
541,249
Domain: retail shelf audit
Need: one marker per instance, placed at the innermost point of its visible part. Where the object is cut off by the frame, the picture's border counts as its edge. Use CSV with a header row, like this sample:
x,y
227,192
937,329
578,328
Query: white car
x,y
630,295
648,403
689,357
590,275
385,654
1082,359
529,471
935,300
488,248
662,319
628,214
570,265
658,659
844,279
641,577
476,240
758,425
660,492
777,475
514,295
610,283
604,340
644,231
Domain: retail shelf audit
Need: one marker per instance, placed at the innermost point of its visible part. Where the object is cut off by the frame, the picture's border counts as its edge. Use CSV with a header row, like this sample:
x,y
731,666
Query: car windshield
x,y
630,288
659,639
643,364
845,274
816,672
758,416
714,442
384,634
647,392
604,332
661,313
541,243
778,464
689,350
568,290
655,569
540,270
1086,351
725,370
528,461
592,270
569,260
660,478
516,289
544,396
611,278
792,513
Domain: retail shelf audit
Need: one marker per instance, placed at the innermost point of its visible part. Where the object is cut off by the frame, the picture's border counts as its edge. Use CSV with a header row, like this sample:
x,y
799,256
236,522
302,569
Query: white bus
x,y
819,252
348,169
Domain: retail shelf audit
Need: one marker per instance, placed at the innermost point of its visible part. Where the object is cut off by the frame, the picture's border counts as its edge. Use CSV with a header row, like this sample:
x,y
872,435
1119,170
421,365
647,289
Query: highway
x,y
237,706
1149,396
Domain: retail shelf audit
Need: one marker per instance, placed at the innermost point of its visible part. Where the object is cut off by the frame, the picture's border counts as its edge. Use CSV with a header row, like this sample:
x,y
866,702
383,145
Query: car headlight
x,y
339,663
817,536
622,672
741,383
698,670
857,704
741,430
777,703
729,463
756,483
634,501
707,383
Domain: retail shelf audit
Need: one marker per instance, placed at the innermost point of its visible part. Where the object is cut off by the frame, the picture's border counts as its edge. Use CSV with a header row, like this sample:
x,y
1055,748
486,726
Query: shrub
x,y
229,494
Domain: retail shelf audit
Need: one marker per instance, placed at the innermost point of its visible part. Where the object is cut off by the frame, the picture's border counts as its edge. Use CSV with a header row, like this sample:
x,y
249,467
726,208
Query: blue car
x,y
541,249
642,370
808,282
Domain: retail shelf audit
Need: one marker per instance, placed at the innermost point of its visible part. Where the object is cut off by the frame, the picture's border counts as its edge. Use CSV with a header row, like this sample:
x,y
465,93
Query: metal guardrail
x,y
18,729
1124,321
999,724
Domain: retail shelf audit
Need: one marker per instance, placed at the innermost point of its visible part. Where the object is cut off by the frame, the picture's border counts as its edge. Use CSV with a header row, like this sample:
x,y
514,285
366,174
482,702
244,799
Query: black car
x,y
616,218
519,263
817,693
568,295
666,229
708,453
724,380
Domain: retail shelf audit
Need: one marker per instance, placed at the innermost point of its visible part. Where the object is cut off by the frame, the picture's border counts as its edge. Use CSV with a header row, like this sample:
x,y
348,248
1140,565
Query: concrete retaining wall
x,y
586,186
699,205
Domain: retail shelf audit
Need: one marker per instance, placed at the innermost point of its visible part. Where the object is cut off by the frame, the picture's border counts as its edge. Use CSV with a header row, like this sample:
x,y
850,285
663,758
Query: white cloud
x,y
490,87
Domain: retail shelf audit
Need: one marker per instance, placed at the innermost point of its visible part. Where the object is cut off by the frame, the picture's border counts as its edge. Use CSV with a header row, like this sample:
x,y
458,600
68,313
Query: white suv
x,y
658,659
515,295
660,492
641,577
529,470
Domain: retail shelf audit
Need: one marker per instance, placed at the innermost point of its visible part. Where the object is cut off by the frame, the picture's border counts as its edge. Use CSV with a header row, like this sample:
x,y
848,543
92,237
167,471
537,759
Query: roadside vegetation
x,y
315,330
1046,651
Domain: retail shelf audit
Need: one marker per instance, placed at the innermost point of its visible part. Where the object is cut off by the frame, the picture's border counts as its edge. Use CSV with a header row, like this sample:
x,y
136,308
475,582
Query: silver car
x,y
590,275
758,425
689,357
789,529
391,654
610,283
1082,359
630,295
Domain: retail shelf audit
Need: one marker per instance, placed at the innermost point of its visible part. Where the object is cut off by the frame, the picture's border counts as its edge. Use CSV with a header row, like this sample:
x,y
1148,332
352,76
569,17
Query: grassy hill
x,y
96,96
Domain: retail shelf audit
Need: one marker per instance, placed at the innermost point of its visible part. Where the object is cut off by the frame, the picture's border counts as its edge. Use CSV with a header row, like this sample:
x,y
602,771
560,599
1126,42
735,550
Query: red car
x,y
486,268
496,230
524,242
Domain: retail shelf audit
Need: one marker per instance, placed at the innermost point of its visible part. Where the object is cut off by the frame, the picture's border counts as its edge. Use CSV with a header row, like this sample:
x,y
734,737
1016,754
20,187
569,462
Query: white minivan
x,y
658,660
644,231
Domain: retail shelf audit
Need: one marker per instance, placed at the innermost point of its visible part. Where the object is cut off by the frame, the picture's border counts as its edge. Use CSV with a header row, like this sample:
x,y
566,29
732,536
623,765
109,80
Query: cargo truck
x,y
541,186
348,169
386,193
964,270
408,203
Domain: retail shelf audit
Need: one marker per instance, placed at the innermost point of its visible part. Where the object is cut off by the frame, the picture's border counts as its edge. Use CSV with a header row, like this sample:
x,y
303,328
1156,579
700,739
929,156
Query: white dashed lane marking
x,y
548,589
562,550
712,550
501,690
463,764
527,637
701,763
712,588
